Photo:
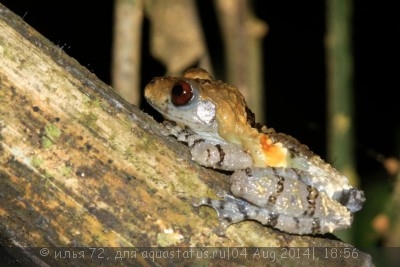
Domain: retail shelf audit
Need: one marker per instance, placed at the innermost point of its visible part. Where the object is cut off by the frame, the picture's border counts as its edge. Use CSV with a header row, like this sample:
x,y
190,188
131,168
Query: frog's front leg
x,y
224,156
279,198
212,153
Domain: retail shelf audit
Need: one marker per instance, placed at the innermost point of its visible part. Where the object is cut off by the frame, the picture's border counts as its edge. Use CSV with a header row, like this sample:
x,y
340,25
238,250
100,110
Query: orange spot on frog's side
x,y
275,155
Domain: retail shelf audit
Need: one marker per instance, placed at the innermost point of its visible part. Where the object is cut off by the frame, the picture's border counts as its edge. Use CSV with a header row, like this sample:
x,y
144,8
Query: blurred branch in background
x,y
178,42
128,18
339,61
243,34
176,37
340,101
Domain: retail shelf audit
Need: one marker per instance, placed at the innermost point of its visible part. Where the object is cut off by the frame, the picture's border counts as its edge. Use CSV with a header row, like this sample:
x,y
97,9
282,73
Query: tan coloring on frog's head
x,y
196,101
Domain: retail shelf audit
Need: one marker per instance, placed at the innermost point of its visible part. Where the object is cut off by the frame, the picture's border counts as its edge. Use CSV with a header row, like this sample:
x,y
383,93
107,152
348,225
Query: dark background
x,y
294,64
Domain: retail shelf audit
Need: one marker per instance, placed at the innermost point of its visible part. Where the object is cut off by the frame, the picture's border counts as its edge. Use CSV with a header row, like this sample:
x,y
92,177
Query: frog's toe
x,y
220,230
204,201
355,200
221,193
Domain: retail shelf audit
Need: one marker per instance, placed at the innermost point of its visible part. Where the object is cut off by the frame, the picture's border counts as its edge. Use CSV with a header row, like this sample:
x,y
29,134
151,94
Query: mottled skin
x,y
276,181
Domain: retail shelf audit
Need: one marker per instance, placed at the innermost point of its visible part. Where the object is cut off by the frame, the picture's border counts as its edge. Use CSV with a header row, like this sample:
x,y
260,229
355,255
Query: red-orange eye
x,y
181,93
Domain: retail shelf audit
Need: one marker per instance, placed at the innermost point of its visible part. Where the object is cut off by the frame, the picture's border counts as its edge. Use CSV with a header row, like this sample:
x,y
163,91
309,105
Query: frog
x,y
274,179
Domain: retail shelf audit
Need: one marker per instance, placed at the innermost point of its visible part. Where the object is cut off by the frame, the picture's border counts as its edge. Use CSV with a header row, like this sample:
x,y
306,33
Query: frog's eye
x,y
181,93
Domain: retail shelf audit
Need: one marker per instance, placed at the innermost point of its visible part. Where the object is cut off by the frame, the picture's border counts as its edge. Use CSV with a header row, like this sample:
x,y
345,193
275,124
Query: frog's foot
x,y
230,210
171,128
353,199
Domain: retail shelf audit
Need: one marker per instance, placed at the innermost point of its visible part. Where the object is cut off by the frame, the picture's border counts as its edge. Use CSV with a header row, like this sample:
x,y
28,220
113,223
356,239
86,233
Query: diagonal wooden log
x,y
81,167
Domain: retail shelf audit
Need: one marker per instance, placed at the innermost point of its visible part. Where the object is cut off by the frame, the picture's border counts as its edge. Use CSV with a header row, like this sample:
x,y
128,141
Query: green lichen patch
x,y
46,142
36,162
52,131
89,119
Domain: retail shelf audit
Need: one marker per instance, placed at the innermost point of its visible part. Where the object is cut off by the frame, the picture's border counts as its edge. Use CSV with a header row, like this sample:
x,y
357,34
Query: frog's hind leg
x,y
232,210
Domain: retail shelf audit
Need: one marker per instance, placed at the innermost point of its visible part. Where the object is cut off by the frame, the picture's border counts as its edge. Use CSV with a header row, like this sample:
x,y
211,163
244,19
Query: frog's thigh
x,y
272,188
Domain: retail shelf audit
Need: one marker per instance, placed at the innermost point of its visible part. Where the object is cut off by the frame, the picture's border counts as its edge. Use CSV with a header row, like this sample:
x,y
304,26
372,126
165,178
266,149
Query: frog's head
x,y
180,100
